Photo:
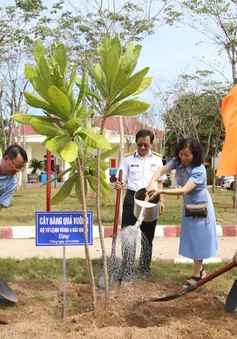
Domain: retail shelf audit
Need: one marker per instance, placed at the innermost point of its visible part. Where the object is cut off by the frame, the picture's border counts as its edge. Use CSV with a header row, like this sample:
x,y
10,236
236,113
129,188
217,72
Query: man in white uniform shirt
x,y
138,169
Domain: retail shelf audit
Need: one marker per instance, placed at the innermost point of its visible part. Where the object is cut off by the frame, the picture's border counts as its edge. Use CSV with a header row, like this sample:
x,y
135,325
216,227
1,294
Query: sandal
x,y
193,278
202,273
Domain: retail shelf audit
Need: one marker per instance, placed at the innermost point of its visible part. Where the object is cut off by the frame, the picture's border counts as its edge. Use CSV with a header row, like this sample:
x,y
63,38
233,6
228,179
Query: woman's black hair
x,y
196,149
13,150
145,133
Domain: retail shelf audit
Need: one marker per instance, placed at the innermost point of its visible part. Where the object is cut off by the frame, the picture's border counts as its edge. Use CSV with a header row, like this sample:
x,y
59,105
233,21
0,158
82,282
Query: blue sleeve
x,y
172,163
6,196
198,175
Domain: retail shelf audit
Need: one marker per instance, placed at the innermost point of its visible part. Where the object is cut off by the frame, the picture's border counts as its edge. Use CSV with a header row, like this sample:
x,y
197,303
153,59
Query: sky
x,y
172,51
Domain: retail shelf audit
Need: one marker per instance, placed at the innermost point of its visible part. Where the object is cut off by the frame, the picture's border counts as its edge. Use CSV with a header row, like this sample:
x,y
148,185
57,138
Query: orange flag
x,y
228,161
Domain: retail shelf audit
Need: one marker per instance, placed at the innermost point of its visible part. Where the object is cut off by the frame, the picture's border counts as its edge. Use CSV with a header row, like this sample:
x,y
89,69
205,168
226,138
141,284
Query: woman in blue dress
x,y
198,238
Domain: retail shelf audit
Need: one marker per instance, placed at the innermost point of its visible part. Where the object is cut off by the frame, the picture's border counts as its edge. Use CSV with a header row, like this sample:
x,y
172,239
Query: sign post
x,y
62,229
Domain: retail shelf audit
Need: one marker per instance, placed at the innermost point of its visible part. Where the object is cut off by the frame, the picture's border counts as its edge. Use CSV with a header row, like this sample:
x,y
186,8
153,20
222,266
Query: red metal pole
x,y
48,188
55,172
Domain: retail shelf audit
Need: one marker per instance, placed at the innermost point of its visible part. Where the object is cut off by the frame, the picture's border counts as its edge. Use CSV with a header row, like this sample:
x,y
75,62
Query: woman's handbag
x,y
199,210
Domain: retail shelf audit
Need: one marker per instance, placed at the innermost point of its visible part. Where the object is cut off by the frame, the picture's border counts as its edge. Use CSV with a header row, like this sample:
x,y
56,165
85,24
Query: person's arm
x,y
189,186
122,184
161,171
161,203
235,257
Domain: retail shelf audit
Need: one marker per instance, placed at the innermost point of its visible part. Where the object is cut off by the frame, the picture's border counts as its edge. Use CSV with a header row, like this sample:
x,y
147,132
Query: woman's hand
x,y
161,207
150,187
153,193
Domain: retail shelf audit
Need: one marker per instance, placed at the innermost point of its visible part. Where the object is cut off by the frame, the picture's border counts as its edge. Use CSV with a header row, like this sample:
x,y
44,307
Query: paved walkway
x,y
163,248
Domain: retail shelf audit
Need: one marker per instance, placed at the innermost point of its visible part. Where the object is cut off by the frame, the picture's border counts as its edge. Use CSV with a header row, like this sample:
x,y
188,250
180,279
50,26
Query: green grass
x,y
33,199
52,269
44,298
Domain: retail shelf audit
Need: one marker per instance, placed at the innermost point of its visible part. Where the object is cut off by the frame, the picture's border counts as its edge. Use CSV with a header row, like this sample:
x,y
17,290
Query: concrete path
x,y
163,248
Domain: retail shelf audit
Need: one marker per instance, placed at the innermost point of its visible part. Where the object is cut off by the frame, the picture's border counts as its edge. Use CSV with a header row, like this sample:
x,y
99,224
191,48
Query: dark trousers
x,y
147,236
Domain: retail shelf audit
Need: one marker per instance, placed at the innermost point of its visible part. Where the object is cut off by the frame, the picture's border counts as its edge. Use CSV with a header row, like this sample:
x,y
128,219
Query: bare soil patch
x,y
38,314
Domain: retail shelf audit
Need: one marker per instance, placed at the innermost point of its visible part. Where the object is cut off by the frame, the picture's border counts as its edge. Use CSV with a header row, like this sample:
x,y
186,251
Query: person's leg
x,y
148,232
198,272
128,243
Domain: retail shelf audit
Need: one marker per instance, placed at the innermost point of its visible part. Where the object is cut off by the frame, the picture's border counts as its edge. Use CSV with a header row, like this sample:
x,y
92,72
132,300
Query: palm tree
x,y
36,165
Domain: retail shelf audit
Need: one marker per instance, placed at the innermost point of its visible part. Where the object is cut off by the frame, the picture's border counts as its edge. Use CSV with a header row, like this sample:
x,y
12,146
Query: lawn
x,y
33,199
51,269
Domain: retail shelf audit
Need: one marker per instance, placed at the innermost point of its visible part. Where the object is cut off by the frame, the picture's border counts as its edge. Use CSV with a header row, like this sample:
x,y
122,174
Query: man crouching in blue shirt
x,y
13,161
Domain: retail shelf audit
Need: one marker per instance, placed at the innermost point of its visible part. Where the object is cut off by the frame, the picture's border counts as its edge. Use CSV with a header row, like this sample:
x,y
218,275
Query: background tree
x,y
193,108
217,20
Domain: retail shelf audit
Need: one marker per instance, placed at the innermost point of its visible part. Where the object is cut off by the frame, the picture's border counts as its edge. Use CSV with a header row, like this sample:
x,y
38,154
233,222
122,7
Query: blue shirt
x,y
8,186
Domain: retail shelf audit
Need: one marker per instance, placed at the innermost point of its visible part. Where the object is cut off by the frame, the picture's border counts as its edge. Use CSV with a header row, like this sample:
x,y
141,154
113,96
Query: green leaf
x,y
94,140
45,71
110,53
82,114
25,118
45,128
39,51
84,84
130,58
30,72
72,125
103,156
88,91
133,84
72,80
22,118
57,144
144,85
37,102
97,75
46,140
41,87
130,108
59,101
107,154
70,152
78,188
60,56
92,182
64,191
57,177
118,86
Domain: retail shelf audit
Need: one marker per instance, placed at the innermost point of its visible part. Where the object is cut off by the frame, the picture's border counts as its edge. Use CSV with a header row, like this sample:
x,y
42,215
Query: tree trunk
x,y
87,251
121,154
105,266
213,175
104,256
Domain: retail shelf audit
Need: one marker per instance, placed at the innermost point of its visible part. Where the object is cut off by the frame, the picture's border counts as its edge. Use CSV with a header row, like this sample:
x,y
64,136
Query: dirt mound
x,y
38,314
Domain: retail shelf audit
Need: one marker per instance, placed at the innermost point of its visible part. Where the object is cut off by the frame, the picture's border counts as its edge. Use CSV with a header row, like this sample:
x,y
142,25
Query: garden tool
x,y
7,296
196,284
231,301
113,261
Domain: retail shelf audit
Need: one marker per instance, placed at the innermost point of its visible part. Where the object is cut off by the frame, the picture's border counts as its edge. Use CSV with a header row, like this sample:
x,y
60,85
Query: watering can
x,y
151,208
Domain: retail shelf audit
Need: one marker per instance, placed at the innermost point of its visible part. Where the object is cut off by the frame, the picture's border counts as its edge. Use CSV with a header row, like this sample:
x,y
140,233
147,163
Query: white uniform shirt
x,y
138,171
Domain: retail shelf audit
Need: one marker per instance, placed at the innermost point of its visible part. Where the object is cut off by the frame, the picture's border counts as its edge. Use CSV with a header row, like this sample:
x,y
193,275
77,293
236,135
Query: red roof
x,y
131,126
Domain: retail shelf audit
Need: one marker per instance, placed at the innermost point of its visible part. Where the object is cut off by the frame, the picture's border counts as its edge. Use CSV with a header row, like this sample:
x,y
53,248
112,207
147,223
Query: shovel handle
x,y
117,207
215,274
